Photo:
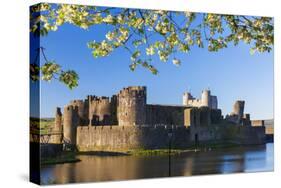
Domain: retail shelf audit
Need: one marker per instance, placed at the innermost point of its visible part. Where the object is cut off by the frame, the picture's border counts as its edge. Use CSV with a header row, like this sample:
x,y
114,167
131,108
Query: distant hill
x,y
42,119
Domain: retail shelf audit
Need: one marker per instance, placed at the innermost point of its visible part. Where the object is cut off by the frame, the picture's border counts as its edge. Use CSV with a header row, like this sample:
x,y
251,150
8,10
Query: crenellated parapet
x,y
133,91
206,100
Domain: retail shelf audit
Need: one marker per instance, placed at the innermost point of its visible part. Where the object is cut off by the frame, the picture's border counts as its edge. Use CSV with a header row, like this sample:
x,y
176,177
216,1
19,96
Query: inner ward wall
x,y
164,114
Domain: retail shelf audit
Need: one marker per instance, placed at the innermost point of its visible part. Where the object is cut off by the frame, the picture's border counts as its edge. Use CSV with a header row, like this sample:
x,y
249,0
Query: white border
x,y
14,90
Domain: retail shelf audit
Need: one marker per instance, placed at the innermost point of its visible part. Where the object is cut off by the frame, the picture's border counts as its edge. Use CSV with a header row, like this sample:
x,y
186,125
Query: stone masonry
x,y
125,121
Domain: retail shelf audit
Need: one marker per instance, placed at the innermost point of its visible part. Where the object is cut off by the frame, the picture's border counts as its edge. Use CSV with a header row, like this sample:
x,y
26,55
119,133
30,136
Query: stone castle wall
x,y
125,121
117,138
125,138
100,111
251,135
164,114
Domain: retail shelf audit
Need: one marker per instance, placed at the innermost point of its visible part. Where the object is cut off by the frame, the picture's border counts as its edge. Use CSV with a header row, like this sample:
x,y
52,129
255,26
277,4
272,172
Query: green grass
x,y
148,152
102,153
193,148
41,126
68,157
65,157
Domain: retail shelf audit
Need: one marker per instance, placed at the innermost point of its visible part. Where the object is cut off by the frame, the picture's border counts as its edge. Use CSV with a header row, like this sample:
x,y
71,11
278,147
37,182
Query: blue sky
x,y
231,74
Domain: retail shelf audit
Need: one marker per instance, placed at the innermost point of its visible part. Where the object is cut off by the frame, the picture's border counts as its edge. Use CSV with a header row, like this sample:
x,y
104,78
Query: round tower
x,y
205,98
186,97
131,108
81,110
70,123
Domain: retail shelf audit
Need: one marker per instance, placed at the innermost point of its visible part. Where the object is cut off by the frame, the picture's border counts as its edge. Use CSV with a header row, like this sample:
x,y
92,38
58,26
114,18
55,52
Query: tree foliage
x,y
51,70
146,34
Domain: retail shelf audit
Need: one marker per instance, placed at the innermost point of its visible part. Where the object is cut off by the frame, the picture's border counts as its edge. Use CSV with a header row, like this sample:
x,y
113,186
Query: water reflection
x,y
101,168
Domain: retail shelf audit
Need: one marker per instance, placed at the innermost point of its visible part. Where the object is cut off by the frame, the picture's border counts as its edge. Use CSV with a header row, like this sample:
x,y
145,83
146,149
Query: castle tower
x,y
70,123
104,111
131,108
186,97
99,111
81,110
238,108
206,98
214,102
58,125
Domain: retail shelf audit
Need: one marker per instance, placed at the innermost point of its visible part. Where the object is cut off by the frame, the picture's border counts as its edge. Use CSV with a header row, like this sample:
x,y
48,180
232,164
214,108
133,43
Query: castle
x,y
206,100
125,121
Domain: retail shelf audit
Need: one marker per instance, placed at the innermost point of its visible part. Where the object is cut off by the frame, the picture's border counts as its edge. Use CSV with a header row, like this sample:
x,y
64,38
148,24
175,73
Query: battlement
x,y
124,128
206,100
100,100
133,91
77,102
70,108
96,98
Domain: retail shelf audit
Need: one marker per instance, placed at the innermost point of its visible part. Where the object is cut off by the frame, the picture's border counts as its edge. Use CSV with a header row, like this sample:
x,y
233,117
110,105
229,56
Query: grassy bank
x,y
148,152
164,151
68,157
65,157
192,148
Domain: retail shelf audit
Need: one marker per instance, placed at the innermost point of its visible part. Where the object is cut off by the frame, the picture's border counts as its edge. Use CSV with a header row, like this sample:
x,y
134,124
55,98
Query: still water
x,y
104,168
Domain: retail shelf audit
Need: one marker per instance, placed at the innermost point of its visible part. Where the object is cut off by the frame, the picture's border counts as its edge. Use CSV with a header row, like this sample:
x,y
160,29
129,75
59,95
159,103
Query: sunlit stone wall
x,y
119,138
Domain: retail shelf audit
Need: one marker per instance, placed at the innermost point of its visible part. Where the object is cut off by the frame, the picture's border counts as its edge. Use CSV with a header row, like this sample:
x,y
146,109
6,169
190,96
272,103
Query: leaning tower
x,y
238,108
131,108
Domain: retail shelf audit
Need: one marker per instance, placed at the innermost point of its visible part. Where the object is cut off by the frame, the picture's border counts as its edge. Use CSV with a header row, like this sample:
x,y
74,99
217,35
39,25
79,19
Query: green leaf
x,y
70,78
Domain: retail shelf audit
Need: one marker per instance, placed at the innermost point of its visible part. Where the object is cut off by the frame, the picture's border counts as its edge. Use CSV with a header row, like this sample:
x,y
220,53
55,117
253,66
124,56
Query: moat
x,y
103,168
